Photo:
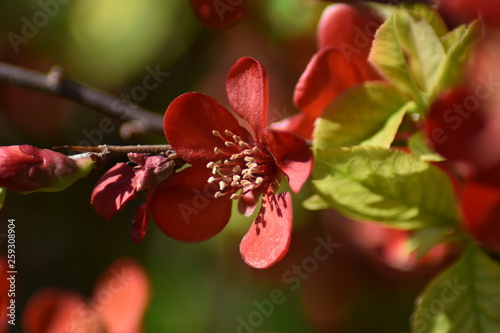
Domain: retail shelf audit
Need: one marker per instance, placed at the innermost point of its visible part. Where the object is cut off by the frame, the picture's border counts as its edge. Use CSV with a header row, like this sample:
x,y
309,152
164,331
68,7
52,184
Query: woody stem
x,y
56,83
110,151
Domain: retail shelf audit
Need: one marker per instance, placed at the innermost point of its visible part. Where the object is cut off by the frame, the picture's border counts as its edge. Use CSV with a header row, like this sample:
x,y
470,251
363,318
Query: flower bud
x,y
26,168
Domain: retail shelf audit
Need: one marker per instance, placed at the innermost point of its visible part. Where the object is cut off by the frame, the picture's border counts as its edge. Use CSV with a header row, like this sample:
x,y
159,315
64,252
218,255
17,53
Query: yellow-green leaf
x,y
365,114
463,299
384,185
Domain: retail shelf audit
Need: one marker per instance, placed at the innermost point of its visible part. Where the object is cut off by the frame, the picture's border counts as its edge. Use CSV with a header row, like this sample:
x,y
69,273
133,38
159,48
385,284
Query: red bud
x,y
26,168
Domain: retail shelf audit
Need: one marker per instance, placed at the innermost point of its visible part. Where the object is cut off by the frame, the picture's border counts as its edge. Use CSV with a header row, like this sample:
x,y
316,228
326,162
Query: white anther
x,y
235,183
217,150
259,180
236,177
235,196
216,133
210,165
222,185
237,169
248,152
236,138
217,195
235,156
229,143
229,133
245,183
211,180
244,144
249,159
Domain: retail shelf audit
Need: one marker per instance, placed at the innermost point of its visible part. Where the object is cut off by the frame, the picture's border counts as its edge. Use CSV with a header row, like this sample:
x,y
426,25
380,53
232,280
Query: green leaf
x,y
388,57
451,39
431,16
315,202
2,196
459,48
423,47
423,240
463,299
365,114
420,147
389,186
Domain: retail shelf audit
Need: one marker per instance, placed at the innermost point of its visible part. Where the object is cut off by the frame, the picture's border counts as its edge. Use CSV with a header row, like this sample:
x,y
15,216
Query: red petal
x,y
481,209
141,222
350,28
268,239
248,202
185,209
113,190
57,310
189,122
121,296
300,124
464,11
218,14
247,90
459,128
327,75
292,156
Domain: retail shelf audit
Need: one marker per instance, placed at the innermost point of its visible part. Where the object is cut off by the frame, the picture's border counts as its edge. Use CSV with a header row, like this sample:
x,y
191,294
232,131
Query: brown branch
x,y
56,83
121,150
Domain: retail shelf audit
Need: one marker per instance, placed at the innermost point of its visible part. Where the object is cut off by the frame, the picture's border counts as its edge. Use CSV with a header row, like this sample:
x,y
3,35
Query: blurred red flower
x,y
231,158
391,246
463,125
218,14
345,36
463,11
117,305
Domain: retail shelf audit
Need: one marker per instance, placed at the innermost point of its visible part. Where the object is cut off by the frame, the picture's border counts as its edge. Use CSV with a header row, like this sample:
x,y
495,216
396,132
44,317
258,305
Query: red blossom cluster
x,y
233,156
345,36
118,303
463,125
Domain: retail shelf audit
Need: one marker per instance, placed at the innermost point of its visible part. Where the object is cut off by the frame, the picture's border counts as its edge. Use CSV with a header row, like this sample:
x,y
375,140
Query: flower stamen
x,y
245,168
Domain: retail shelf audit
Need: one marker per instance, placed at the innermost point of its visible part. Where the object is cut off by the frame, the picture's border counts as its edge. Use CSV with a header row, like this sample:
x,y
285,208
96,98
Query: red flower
x,y
121,184
390,246
468,138
463,125
231,158
463,11
218,14
345,36
117,304
26,168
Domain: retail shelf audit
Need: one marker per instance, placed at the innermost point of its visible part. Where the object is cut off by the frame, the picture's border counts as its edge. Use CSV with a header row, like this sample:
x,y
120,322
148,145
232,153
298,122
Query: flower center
x,y
245,168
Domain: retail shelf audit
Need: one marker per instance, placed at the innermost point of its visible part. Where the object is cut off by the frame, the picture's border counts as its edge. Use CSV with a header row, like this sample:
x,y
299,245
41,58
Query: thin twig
x,y
56,83
121,150
101,154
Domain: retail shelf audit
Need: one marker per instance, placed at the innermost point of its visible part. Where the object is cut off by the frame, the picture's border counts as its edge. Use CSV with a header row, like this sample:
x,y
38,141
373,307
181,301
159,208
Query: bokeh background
x,y
206,287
